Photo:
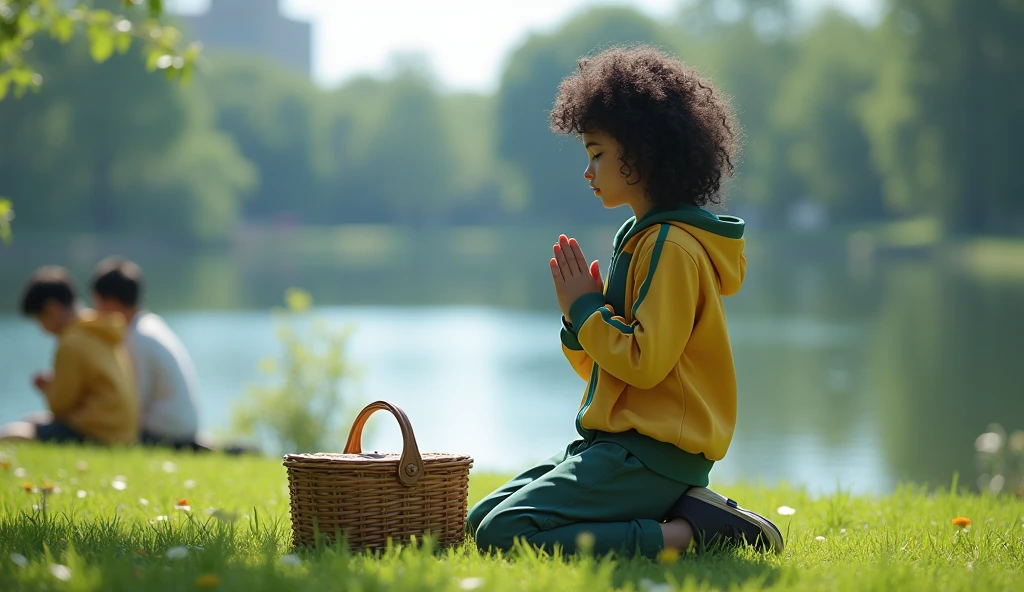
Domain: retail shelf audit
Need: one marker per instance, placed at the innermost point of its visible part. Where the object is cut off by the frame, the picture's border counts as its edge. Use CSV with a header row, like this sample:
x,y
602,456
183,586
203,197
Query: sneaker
x,y
719,520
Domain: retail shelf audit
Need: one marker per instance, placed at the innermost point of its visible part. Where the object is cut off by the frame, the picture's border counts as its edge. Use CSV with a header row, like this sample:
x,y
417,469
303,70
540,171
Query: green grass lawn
x,y
112,524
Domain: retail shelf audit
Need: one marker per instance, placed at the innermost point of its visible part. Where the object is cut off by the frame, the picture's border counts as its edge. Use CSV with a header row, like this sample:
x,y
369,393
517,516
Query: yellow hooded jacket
x,y
93,390
654,348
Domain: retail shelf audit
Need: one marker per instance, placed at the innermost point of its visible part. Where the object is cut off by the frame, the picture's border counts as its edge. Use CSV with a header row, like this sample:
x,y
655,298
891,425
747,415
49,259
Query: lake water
x,y
856,377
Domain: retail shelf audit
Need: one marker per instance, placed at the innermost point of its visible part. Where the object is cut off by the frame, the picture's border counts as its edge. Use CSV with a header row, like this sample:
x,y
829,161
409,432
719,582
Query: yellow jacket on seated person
x,y
93,390
654,348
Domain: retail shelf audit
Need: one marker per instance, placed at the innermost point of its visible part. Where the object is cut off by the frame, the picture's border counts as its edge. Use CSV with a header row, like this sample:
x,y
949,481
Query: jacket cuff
x,y
568,336
583,307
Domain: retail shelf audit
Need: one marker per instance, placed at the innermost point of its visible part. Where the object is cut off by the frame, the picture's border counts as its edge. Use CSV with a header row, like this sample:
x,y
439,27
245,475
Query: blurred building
x,y
255,26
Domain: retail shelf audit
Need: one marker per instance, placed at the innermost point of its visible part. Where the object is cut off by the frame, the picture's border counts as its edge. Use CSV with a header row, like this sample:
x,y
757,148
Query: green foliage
x,y
413,142
945,112
828,148
6,215
306,410
109,29
272,116
134,154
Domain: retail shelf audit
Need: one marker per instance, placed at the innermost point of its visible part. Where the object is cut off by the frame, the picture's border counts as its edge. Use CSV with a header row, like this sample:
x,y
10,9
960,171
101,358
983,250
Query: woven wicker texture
x,y
373,497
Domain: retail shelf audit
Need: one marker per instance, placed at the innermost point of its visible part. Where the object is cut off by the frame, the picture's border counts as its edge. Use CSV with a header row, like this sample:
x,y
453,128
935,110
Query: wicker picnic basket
x,y
371,498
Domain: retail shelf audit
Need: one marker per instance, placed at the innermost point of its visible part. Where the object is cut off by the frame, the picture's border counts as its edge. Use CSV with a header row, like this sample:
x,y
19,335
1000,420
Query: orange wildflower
x,y
961,522
5,464
141,553
182,502
47,488
28,487
208,581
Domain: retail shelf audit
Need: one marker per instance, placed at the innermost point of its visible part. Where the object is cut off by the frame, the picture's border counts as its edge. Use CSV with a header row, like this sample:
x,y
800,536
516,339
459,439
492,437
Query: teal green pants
x,y
592,487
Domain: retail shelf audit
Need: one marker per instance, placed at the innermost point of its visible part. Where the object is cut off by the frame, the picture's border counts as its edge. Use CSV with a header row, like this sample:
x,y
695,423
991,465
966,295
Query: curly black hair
x,y
675,129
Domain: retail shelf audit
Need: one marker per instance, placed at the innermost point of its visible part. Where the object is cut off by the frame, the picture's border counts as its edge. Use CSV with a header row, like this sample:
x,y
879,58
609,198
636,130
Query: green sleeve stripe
x,y
615,323
658,245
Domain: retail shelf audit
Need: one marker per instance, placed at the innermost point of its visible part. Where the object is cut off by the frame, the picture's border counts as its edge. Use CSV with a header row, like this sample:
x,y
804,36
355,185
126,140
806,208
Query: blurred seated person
x,y
163,369
90,392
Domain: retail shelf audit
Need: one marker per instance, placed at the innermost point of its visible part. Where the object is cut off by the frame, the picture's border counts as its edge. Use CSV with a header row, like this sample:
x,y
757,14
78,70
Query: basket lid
x,y
339,458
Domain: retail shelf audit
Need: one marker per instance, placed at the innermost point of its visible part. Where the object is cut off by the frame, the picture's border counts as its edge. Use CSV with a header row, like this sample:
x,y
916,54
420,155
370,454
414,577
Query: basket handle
x,y
410,465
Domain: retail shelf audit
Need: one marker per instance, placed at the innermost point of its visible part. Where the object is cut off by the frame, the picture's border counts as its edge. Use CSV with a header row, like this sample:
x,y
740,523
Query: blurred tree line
x,y
919,115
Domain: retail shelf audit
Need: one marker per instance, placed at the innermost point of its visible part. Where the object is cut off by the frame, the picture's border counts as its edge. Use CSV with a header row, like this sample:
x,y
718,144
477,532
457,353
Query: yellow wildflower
x,y
668,556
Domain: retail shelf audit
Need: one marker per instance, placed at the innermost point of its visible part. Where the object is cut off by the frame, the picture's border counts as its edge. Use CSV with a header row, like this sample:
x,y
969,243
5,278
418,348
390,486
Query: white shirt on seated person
x,y
166,378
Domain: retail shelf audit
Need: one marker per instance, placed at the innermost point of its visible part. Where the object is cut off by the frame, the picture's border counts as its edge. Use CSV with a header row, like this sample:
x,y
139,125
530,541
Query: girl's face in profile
x,y
604,171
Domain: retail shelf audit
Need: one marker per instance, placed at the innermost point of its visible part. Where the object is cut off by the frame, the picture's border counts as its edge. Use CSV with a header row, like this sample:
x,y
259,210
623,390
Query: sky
x,y
349,39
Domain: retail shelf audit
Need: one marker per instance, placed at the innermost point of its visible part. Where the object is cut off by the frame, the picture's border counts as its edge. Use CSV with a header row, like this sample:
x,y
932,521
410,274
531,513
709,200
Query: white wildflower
x,y
61,572
19,559
291,560
650,586
471,583
177,552
785,511
989,442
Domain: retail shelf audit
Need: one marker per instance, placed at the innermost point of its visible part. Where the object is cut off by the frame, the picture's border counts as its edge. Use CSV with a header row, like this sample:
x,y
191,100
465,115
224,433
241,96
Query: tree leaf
x,y
124,42
186,72
21,76
156,8
6,215
62,29
153,58
101,43
5,81
101,18
27,24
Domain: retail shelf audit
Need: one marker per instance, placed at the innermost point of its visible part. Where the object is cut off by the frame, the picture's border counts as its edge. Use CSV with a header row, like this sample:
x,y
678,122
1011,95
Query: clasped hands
x,y
572,276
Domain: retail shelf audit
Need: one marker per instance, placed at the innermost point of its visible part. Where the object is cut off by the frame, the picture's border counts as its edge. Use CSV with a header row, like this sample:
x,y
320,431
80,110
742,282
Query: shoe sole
x,y
770,533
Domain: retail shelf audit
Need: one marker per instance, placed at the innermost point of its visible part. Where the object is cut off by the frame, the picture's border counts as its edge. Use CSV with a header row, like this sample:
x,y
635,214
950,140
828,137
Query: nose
x,y
588,174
